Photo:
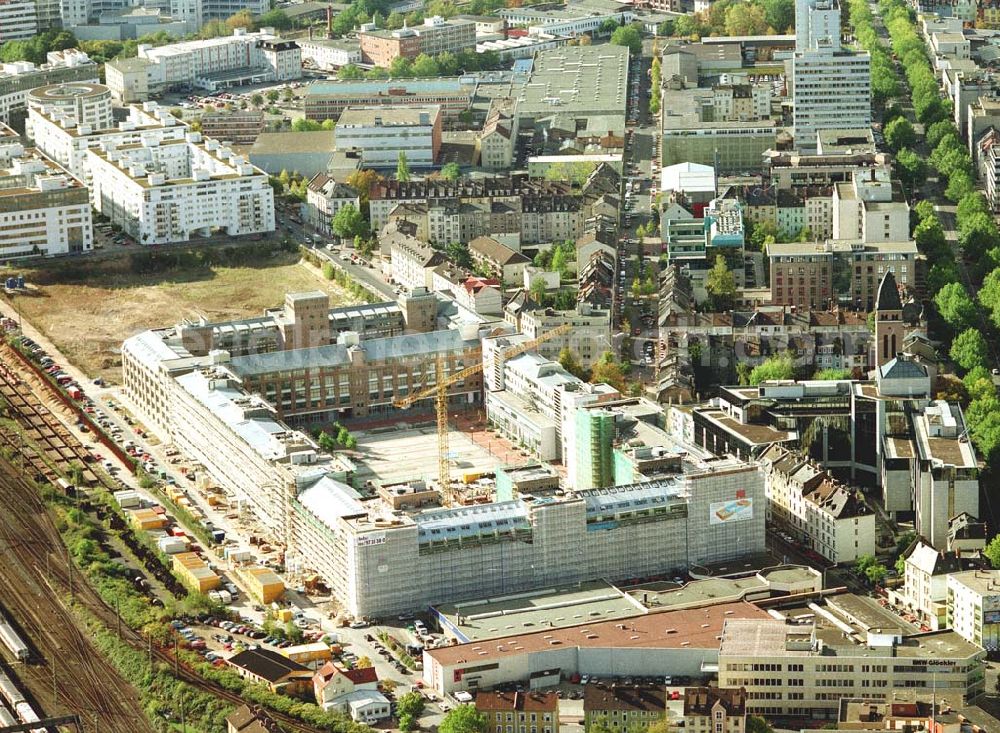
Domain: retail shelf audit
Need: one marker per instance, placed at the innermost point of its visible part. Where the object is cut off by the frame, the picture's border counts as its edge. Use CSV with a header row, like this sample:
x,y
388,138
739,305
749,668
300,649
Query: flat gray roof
x,y
588,80
558,607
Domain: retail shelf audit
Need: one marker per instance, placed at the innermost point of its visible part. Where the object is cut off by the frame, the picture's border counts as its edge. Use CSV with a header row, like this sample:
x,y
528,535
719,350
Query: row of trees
x,y
885,85
735,18
424,66
979,238
655,79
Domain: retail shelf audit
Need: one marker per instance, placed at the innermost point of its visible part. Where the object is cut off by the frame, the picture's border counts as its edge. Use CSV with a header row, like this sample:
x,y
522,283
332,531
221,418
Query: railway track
x,y
46,449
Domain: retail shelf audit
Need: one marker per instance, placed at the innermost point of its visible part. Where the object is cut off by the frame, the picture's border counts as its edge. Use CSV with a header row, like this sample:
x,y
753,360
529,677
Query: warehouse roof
x,y
696,628
266,664
284,143
408,345
552,608
378,88
388,116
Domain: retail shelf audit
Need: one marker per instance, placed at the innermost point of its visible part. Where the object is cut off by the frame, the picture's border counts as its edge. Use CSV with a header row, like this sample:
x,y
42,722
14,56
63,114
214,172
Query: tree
x,y
342,435
257,100
538,291
458,252
241,19
721,283
608,26
451,171
569,362
327,442
776,367
350,72
979,383
402,167
757,724
401,67
607,370
272,95
276,18
959,184
992,551
628,36
876,573
362,181
904,541
937,132
464,719
832,375
410,703
899,134
955,306
394,21
911,168
424,65
969,349
864,562
363,663
744,19
559,261
304,125
779,14
348,222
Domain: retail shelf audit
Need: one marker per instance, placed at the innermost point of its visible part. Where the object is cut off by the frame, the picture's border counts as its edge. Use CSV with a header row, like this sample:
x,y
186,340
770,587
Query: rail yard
x,y
36,448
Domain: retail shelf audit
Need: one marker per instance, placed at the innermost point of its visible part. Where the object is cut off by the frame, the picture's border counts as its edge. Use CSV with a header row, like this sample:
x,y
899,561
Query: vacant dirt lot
x,y
88,308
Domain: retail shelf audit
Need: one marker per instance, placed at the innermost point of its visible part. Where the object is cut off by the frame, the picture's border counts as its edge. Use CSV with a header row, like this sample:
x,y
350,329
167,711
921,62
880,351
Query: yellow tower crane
x,y
440,393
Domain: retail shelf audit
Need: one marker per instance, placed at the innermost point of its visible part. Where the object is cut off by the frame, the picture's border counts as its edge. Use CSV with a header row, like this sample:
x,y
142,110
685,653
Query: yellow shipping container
x,y
285,615
263,584
146,519
305,653
195,573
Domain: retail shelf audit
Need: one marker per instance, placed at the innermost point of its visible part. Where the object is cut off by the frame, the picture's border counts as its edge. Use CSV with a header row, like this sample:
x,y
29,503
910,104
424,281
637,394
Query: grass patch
x,y
88,307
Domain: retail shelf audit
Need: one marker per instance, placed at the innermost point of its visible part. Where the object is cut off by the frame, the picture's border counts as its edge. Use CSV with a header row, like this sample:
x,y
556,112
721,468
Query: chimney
x,y
516,696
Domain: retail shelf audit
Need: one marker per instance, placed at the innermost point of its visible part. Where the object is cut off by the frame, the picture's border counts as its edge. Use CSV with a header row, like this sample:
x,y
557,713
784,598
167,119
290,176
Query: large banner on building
x,y
737,510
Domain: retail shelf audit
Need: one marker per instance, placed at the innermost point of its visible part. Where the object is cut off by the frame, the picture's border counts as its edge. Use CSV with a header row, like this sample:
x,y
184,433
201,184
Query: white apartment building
x,y
243,57
43,209
328,53
947,471
412,262
18,20
169,191
67,144
325,197
925,587
831,90
870,208
20,77
831,86
974,607
794,668
824,514
75,102
589,338
222,9
532,400
816,21
382,133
